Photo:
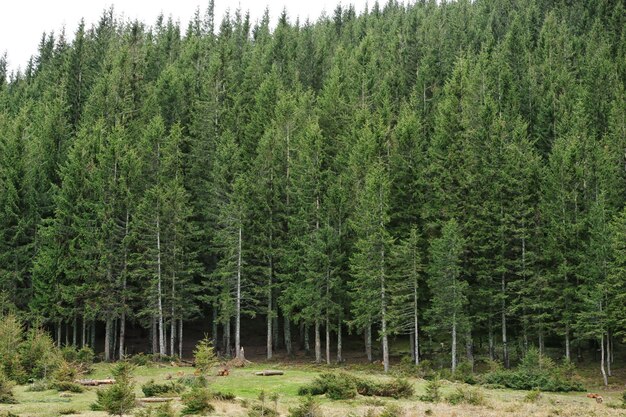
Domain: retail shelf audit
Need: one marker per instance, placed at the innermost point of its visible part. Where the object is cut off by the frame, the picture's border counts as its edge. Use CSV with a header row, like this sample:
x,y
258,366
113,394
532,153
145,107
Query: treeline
x,y
452,171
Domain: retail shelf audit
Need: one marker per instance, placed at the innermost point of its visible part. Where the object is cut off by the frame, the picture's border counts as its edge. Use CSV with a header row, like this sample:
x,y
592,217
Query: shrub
x,y
258,410
343,386
11,335
152,389
464,373
527,379
197,401
204,356
6,390
38,386
140,359
532,396
471,396
64,377
392,410
198,381
85,356
120,397
222,396
425,369
308,407
433,391
38,355
163,410
66,411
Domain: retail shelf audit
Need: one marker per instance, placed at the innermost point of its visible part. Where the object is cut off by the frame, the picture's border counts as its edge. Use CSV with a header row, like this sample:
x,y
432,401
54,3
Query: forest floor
x,y
246,386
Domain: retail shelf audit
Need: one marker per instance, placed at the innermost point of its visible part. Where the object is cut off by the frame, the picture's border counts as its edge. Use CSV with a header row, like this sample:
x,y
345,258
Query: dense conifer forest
x,y
453,173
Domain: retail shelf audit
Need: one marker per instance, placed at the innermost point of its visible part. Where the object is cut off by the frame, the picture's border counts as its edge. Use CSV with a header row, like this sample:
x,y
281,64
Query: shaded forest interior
x,y
448,174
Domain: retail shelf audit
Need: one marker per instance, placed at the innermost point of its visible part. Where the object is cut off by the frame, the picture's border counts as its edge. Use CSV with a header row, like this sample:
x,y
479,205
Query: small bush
x,y
258,410
197,401
433,391
222,396
392,410
163,410
118,399
197,381
38,355
6,390
343,386
66,411
308,407
140,359
471,396
532,396
152,389
425,369
398,388
67,386
38,385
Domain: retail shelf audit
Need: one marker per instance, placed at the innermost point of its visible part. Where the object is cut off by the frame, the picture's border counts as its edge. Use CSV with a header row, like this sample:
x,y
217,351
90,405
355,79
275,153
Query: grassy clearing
x,y
247,387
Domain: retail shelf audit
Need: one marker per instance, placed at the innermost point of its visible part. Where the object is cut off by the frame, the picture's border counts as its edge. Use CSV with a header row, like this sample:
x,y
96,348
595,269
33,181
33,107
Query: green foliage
x,y
38,385
140,359
308,407
197,401
204,355
38,354
467,395
64,376
67,411
392,410
152,389
551,380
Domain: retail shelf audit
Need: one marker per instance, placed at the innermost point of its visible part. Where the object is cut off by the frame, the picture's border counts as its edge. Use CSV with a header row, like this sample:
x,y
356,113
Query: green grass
x,y
245,385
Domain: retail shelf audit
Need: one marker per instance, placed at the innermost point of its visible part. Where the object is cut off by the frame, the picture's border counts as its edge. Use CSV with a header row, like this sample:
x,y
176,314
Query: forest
x,y
448,172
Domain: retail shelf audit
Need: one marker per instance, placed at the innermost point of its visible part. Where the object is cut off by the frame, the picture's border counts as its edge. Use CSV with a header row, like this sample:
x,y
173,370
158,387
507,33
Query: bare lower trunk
x,y
602,361
318,343
227,338
287,333
74,332
492,355
307,343
567,343
173,335
454,342
83,340
505,348
238,299
214,328
270,335
107,339
67,334
92,334
159,290
327,340
180,338
114,337
609,353
339,342
469,348
122,335
59,333
368,342
541,343
155,336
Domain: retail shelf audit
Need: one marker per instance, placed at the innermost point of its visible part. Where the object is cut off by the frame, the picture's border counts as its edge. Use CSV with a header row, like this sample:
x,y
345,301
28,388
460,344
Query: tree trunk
x,y
567,343
155,335
114,336
92,335
492,350
58,326
318,343
505,348
602,365
412,346
124,283
173,335
238,300
67,334
609,352
307,343
339,342
122,352
74,331
541,342
180,338
214,329
107,340
454,342
227,338
287,333
83,340
159,289
368,342
469,348
416,330
327,339
270,335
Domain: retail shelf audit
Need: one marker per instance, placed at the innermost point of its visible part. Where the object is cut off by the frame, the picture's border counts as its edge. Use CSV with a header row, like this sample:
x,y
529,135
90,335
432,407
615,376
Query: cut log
x,y
95,382
158,399
269,373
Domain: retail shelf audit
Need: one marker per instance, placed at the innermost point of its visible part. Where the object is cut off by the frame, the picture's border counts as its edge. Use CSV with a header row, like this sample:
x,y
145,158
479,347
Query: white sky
x,y
23,21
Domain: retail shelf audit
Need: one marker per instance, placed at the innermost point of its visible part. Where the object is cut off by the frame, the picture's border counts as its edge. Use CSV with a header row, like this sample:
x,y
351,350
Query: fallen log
x,y
158,399
269,373
95,382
